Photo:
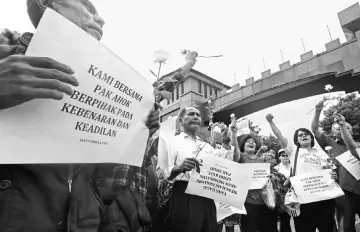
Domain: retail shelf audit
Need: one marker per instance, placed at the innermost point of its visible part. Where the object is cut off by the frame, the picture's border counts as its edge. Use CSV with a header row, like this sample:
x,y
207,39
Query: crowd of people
x,y
118,197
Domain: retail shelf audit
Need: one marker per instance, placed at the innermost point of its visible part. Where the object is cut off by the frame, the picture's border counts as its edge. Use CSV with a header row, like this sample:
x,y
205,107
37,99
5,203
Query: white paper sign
x,y
243,126
221,180
260,174
350,163
166,133
102,122
315,186
224,210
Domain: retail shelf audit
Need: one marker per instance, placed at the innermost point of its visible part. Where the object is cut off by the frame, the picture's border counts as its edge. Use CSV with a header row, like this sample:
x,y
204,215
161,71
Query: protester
x,y
227,150
259,217
189,212
317,214
348,205
284,167
48,197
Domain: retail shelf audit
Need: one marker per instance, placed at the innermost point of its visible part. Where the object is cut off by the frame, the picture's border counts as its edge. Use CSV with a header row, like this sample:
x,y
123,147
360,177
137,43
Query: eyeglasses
x,y
283,155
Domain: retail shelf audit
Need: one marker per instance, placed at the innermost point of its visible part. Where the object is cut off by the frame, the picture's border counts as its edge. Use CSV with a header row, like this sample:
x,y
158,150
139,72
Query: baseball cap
x,y
281,150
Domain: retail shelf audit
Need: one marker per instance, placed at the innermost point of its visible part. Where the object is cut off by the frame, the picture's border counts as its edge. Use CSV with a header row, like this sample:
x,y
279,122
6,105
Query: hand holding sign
x,y
24,78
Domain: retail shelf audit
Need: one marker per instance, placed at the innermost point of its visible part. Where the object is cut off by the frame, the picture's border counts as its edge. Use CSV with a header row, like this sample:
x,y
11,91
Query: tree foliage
x,y
349,106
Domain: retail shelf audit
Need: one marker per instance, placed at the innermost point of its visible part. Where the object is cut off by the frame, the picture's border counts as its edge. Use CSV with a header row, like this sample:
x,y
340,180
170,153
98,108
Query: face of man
x,y
336,130
191,121
83,14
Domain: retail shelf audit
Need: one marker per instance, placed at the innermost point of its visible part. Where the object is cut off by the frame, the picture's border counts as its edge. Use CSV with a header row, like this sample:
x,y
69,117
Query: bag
x,y
269,195
292,205
291,202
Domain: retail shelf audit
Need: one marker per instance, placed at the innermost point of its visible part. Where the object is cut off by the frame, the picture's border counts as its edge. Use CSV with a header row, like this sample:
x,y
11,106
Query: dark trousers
x,y
259,218
192,213
314,215
347,207
285,220
228,228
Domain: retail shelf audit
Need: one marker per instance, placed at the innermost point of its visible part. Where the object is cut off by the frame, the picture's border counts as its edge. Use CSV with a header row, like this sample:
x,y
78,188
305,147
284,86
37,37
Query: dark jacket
x,y
45,197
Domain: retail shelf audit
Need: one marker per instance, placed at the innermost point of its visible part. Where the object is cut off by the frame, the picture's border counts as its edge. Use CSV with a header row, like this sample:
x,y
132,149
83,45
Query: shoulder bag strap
x,y
293,170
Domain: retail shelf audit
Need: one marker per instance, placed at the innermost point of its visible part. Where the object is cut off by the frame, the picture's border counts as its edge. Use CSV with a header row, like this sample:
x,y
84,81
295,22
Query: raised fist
x,y
269,117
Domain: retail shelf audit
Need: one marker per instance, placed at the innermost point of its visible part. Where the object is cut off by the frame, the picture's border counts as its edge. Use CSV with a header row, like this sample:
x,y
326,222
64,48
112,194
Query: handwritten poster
x,y
221,180
350,163
243,126
103,121
260,174
315,186
224,210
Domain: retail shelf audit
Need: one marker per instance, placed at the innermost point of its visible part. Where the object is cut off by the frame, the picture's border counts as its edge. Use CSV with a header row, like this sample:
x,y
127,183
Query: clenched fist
x,y
269,117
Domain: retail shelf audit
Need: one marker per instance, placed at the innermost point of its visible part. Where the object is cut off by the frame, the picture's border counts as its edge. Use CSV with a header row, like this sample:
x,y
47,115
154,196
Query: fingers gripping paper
x,y
315,186
103,121
221,180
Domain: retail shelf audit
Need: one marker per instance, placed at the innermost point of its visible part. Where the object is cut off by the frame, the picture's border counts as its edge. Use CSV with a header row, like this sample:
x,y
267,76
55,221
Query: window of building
x,y
173,96
182,88
177,92
199,87
210,91
216,92
205,90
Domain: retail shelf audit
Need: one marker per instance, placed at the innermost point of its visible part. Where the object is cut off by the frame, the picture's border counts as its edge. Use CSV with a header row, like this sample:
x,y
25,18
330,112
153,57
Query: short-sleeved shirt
x,y
345,179
225,154
308,160
286,171
181,147
254,196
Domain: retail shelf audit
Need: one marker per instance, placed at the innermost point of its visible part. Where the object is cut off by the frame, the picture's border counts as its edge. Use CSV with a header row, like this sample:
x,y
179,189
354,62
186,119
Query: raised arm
x,y
277,131
346,135
234,142
261,151
316,120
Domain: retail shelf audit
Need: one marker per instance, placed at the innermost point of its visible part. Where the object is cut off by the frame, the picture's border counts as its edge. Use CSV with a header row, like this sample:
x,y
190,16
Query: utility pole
x,y
329,32
303,45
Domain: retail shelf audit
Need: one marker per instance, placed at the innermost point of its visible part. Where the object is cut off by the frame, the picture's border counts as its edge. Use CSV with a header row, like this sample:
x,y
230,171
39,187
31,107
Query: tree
x,y
349,106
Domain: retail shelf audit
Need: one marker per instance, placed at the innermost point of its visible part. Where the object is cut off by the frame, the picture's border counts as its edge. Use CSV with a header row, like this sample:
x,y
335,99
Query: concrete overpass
x,y
339,66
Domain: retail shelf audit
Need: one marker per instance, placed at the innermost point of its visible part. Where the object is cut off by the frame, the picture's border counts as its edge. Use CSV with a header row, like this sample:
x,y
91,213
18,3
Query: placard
x,y
221,180
315,186
260,174
224,210
103,121
350,163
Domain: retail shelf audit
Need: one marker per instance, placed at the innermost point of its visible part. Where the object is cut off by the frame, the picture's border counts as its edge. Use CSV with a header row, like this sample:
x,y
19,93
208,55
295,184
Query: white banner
x,y
260,174
103,121
243,126
350,163
315,186
221,180
166,133
224,210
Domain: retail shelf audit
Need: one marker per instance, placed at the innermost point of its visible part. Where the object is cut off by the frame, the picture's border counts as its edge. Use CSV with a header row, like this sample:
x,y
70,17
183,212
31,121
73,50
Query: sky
x,y
249,35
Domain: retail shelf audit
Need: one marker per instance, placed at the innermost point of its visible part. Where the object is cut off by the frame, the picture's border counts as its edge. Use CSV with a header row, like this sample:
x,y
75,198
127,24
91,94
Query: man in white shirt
x,y
189,212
